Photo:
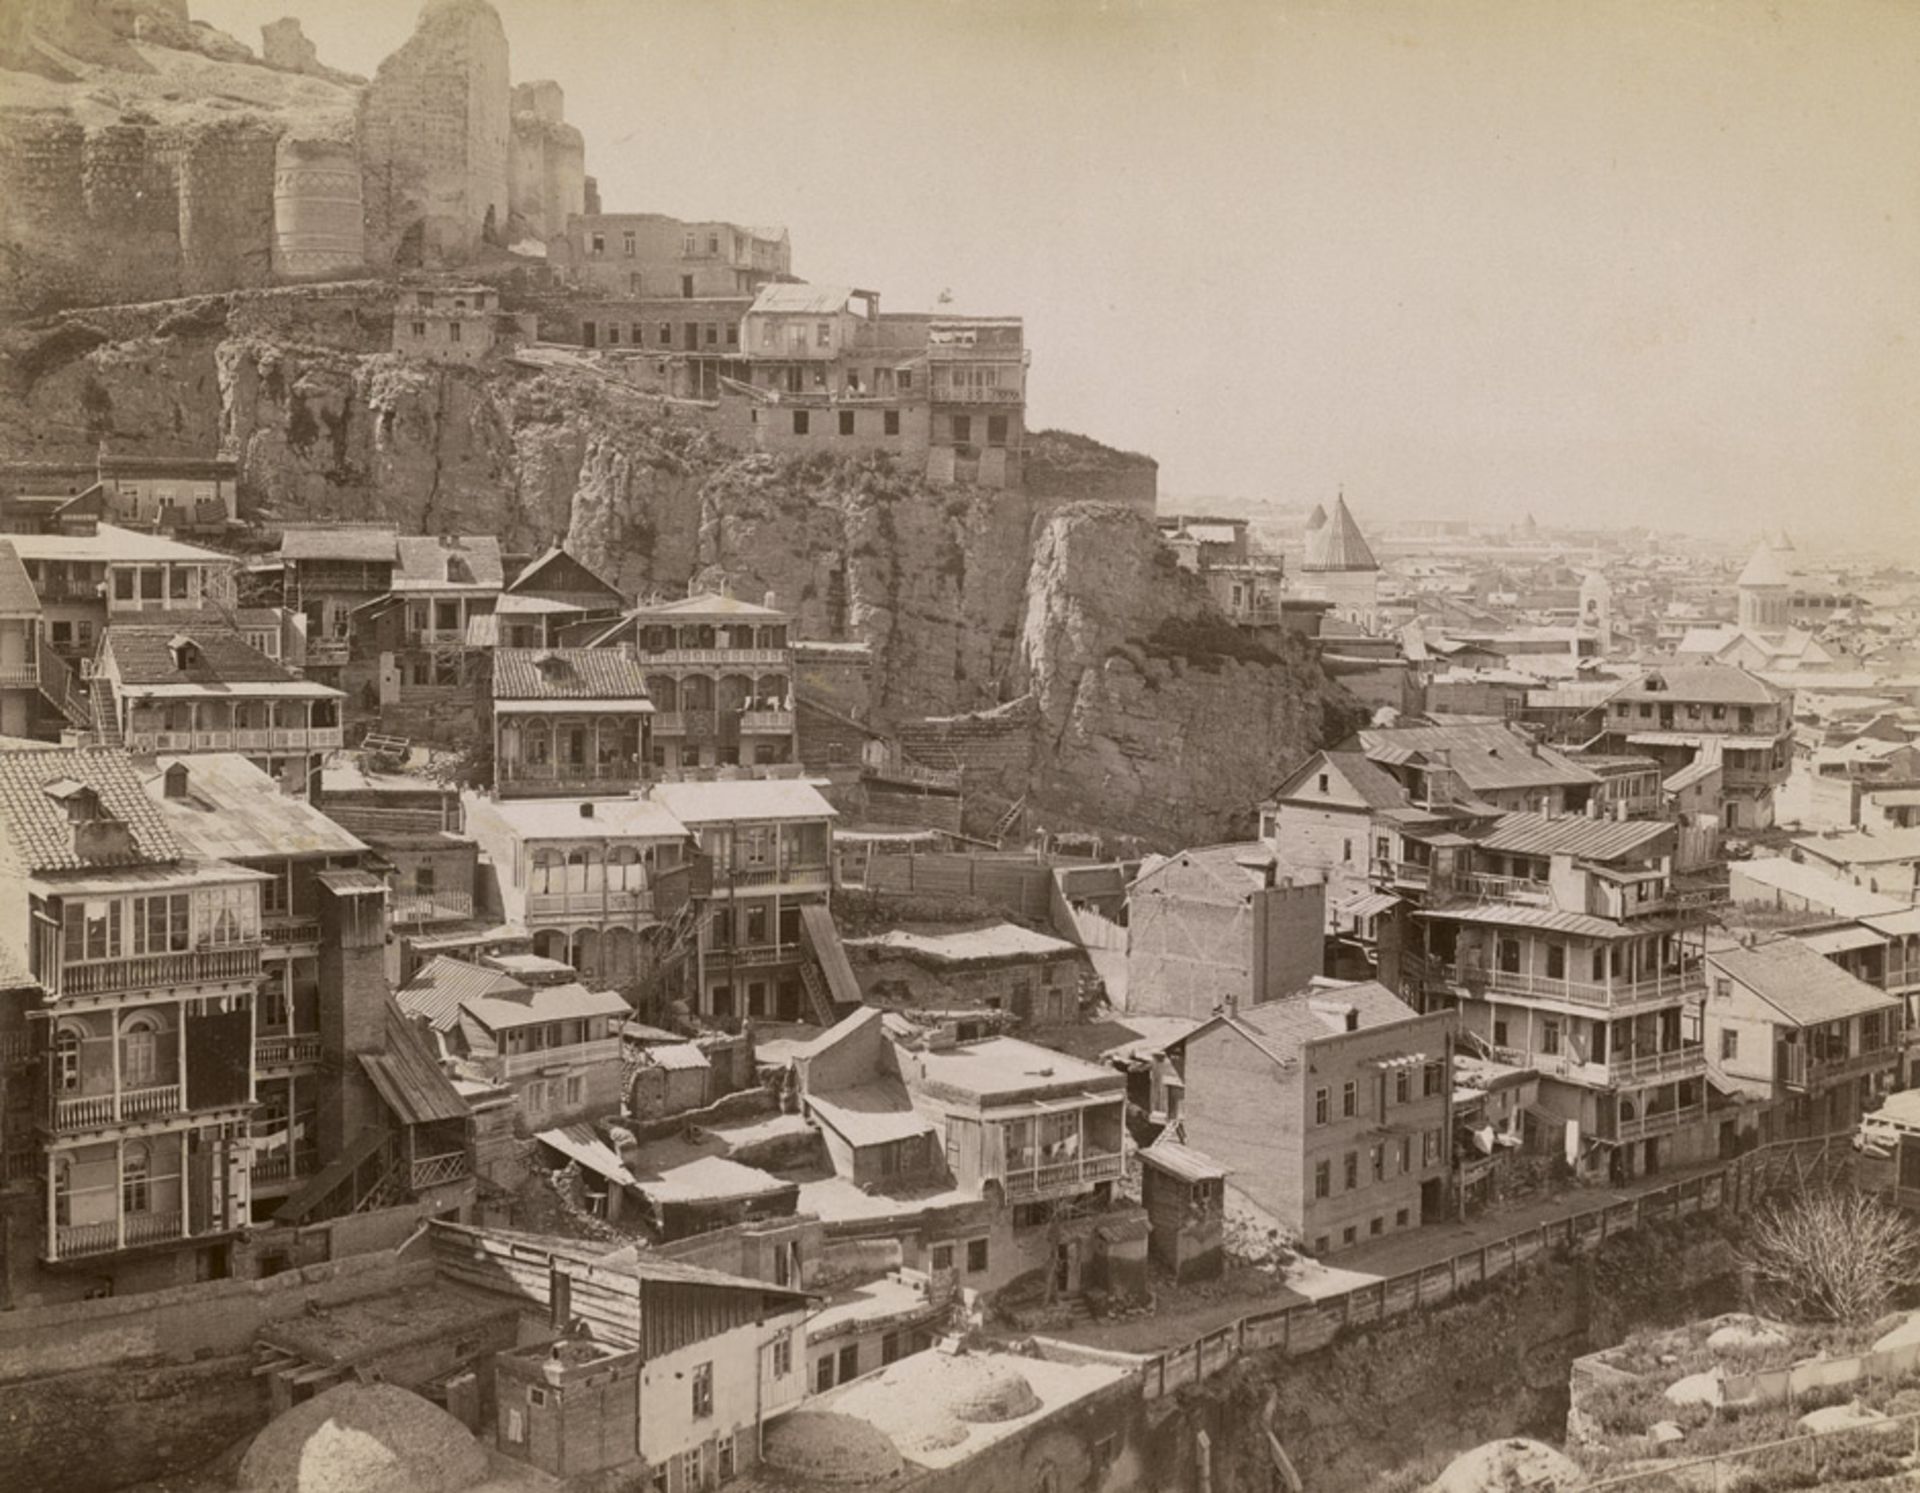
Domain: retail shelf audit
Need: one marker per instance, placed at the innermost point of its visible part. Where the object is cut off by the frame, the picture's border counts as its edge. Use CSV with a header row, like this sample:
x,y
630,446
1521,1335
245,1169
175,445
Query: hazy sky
x,y
1589,257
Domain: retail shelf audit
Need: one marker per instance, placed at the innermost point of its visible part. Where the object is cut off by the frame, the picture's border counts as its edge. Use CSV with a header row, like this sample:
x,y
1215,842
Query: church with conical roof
x,y
1339,566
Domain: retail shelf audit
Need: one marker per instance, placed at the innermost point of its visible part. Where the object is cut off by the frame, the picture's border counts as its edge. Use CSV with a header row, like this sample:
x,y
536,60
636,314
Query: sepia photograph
x,y
959,746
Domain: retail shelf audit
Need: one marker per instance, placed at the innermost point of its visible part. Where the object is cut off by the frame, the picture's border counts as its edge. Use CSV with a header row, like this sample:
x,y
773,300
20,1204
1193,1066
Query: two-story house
x,y
720,675
149,960
221,806
556,599
38,692
1687,714
1787,1025
422,637
206,689
587,877
977,389
554,1045
652,255
1330,1107
569,721
329,570
1570,950
767,946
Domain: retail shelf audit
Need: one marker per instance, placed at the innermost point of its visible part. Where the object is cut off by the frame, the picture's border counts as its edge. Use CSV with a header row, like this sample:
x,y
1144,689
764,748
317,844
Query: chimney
x,y
354,996
771,601
586,808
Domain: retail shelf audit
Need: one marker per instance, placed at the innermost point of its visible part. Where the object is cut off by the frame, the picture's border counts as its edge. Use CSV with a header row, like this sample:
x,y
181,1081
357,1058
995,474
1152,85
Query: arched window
x,y
606,742
573,743
136,1180
546,873
734,691
664,692
770,692
539,748
696,692
63,1193
624,873
578,860
66,1057
140,1052
586,953
551,943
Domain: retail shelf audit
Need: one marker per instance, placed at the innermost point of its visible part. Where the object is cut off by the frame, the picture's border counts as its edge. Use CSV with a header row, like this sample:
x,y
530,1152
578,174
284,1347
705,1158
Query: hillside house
x,y
569,721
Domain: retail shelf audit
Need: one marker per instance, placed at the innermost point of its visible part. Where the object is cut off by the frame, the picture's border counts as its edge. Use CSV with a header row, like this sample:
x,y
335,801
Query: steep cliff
x,y
1155,711
1111,694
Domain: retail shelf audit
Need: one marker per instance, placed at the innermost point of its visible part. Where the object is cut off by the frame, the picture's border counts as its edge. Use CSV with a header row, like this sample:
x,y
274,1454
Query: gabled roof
x,y
1568,834
323,542
1486,758
1226,872
535,576
409,1076
542,1004
438,988
428,563
1376,787
1339,545
17,596
35,820
1309,1015
1181,1161
870,1114
706,604
785,298
1801,984
144,653
233,811
1704,684
567,674
110,542
748,799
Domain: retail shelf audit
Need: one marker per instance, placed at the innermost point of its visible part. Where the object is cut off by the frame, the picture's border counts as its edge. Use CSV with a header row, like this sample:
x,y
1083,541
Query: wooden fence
x,y
1737,1185
608,1300
1021,884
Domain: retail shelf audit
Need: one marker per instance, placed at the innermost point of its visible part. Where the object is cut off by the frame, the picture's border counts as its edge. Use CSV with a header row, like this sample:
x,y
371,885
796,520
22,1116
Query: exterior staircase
x,y
60,689
106,723
1008,820
819,1003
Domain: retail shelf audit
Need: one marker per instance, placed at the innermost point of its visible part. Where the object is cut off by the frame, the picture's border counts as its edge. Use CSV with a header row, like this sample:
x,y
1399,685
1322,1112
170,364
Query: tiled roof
x,y
37,824
567,674
326,543
143,654
1590,839
1801,984
16,591
233,811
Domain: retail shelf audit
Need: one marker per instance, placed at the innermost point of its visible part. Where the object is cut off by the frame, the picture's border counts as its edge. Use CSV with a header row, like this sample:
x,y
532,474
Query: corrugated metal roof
x,y
1366,904
579,1143
1841,940
1183,1162
544,1003
426,562
786,299
1486,758
1710,684
1548,919
1804,986
677,1057
234,811
440,985
1589,839
409,1077
339,544
111,542
747,799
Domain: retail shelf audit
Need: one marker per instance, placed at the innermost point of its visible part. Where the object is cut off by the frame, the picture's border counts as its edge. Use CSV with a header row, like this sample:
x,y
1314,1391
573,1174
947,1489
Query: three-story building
x,y
569,721
720,675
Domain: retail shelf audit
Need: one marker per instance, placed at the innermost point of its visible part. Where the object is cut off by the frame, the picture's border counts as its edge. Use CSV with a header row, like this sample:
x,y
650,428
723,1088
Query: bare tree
x,y
1834,1255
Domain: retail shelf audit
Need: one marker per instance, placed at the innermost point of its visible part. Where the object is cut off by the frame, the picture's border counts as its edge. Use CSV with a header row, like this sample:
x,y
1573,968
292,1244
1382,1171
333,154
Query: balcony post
x,y
115,1018
120,1186
180,1066
53,1204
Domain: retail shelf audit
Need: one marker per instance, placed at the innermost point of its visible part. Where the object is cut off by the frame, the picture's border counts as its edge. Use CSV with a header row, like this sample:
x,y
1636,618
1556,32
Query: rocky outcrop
x,y
1070,663
1157,714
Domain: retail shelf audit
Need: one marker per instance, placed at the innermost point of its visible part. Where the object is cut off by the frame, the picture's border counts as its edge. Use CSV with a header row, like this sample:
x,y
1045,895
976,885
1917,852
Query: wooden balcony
x,y
748,878
432,907
1062,1177
1683,1061
285,933
76,1112
1653,990
286,1050
573,1055
326,652
766,720
1658,1123
437,1171
79,1240
228,965
715,658
621,903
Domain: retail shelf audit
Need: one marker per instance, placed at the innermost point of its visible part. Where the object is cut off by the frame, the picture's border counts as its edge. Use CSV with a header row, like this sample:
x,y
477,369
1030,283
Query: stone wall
x,y
434,129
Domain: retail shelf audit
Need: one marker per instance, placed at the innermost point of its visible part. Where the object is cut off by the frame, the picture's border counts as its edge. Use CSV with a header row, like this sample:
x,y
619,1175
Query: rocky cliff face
x,y
1156,712
1138,707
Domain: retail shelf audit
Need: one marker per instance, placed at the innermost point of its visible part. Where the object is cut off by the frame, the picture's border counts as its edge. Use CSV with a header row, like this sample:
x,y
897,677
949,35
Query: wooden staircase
x,y
106,723
60,689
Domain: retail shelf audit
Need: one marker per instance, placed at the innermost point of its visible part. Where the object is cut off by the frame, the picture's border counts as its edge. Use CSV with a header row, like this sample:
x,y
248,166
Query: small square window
x,y
846,422
1377,1226
800,423
1400,1219
976,1256
890,422
1350,1233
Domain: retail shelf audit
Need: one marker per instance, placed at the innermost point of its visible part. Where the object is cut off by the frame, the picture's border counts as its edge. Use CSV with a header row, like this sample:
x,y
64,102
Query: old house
x,y
981,978
719,671
1184,1193
1683,714
640,255
850,1086
569,721
1222,925
1330,1106
1787,1025
220,806
421,640
203,688
147,957
327,572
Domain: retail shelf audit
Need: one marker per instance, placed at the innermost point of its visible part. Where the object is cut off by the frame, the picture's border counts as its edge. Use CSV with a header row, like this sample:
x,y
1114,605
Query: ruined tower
x,y
434,128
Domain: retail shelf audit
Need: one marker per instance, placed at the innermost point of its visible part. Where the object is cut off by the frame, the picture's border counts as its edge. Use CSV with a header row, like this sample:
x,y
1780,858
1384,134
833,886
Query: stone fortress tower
x,y
136,176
